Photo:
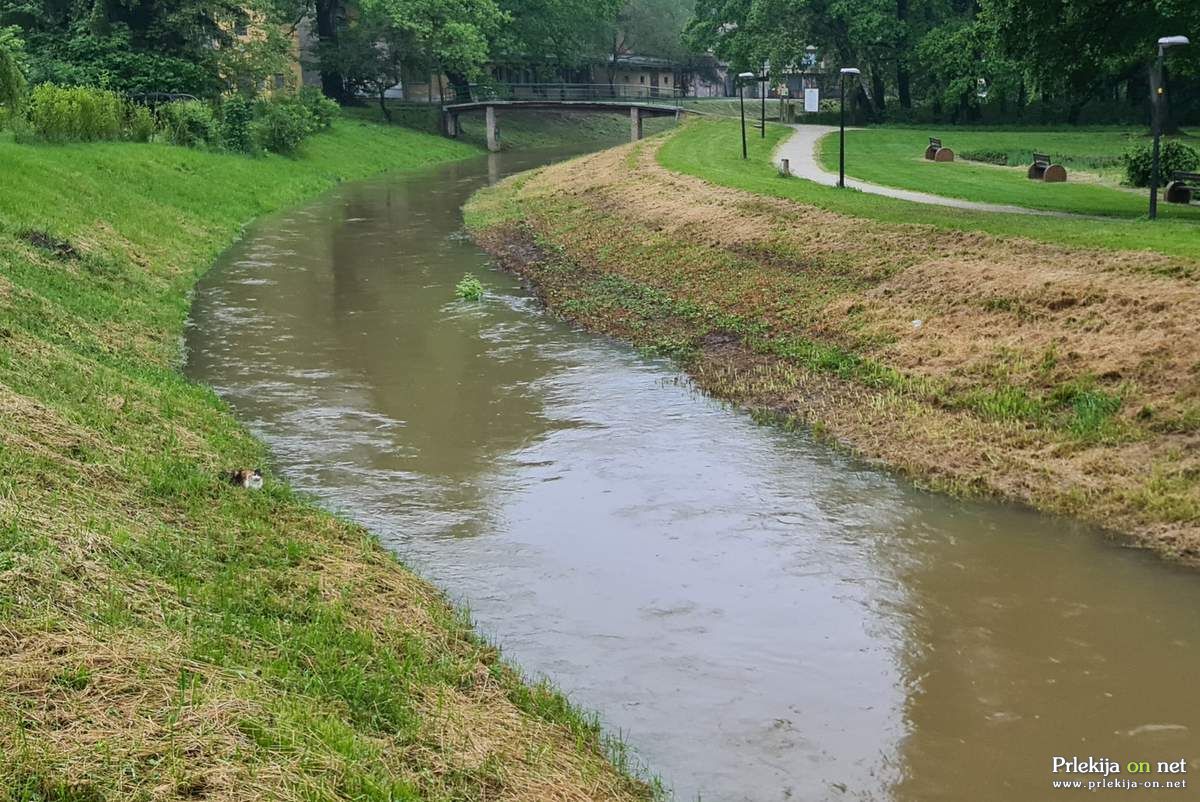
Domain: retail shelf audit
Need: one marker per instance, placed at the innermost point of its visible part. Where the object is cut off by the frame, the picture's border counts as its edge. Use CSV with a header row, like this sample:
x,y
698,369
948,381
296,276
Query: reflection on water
x,y
762,618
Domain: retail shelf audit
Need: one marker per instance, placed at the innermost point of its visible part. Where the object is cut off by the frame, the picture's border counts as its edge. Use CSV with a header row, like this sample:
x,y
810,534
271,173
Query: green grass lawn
x,y
711,149
728,107
894,157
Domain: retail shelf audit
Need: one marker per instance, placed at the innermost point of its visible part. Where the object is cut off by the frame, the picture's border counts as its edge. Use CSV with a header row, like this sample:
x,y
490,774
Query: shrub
x,y
74,113
237,116
989,156
139,123
188,122
281,125
1174,156
323,110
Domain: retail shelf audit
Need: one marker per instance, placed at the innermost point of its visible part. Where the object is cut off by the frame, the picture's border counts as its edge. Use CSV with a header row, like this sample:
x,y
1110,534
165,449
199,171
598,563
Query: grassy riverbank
x,y
977,361
163,634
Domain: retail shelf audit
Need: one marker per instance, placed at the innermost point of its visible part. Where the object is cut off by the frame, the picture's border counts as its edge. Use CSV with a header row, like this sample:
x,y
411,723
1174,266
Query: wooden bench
x,y
1043,169
1182,186
936,153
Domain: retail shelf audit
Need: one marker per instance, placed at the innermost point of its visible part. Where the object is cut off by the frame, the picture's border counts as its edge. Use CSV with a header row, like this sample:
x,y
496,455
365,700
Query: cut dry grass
x,y
1065,378
165,635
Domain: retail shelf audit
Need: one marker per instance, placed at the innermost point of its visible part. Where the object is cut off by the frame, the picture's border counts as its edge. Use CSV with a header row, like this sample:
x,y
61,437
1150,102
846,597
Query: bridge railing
x,y
616,93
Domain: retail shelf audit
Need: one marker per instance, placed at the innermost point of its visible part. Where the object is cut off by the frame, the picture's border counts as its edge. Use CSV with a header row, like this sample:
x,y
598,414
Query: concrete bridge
x,y
636,109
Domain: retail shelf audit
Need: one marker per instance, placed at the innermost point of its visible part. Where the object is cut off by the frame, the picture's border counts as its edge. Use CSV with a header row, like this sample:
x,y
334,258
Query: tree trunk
x,y
460,85
612,65
387,114
903,76
878,89
332,83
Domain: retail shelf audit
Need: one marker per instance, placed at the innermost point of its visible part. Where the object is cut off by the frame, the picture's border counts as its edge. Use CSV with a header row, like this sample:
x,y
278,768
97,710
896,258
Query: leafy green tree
x,y
12,78
370,56
964,67
1074,48
554,33
655,27
650,28
147,45
751,33
451,35
723,28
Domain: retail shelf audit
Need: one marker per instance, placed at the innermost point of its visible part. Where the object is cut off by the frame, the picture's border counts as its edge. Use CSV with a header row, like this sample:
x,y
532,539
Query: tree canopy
x,y
936,59
953,56
146,45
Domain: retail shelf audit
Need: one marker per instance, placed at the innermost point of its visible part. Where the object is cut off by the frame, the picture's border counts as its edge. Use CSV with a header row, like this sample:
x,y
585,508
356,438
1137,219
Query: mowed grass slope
x,y
163,634
894,157
1067,378
711,150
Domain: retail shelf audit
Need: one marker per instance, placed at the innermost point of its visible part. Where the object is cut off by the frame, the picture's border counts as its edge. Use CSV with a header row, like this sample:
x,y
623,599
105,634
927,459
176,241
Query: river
x,y
760,616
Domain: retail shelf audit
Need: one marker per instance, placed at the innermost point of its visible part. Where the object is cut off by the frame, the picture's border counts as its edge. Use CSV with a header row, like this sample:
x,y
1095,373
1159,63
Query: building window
x,y
667,80
642,79
279,80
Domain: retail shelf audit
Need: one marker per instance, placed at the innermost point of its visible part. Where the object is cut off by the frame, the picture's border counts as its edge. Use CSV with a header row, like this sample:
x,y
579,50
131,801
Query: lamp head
x,y
851,71
1172,41
746,76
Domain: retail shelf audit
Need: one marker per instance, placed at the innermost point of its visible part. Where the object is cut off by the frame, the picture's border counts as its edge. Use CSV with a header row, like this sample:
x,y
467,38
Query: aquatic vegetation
x,y
469,288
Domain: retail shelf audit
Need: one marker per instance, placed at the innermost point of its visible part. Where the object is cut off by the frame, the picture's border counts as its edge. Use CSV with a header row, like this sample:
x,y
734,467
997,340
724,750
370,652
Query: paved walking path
x,y
801,152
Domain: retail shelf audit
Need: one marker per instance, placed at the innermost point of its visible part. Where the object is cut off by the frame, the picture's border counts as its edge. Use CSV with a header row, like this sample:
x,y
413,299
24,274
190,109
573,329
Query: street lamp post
x,y
762,115
742,78
842,126
1163,44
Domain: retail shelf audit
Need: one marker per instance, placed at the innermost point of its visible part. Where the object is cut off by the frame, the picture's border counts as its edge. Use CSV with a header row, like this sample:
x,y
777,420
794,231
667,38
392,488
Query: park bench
x,y
1182,186
1043,169
936,153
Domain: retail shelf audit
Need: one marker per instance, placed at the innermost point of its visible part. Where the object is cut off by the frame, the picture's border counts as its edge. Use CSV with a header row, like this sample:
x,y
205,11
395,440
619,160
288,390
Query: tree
x,y
951,55
369,55
329,15
12,78
452,36
1073,48
563,33
655,27
723,28
146,45
650,28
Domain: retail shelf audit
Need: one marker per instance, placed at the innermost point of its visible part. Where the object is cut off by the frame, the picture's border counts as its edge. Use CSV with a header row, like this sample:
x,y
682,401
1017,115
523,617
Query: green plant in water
x,y
469,288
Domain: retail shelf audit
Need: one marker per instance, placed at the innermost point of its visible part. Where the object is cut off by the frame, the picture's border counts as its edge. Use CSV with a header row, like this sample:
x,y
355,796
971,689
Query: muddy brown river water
x,y
758,615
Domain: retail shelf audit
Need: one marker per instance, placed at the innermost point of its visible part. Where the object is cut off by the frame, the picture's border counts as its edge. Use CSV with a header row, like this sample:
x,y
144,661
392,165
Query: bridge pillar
x,y
635,124
493,136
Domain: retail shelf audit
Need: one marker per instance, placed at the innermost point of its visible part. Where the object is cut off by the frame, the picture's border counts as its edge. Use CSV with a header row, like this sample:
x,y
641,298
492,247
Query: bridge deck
x,y
648,109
